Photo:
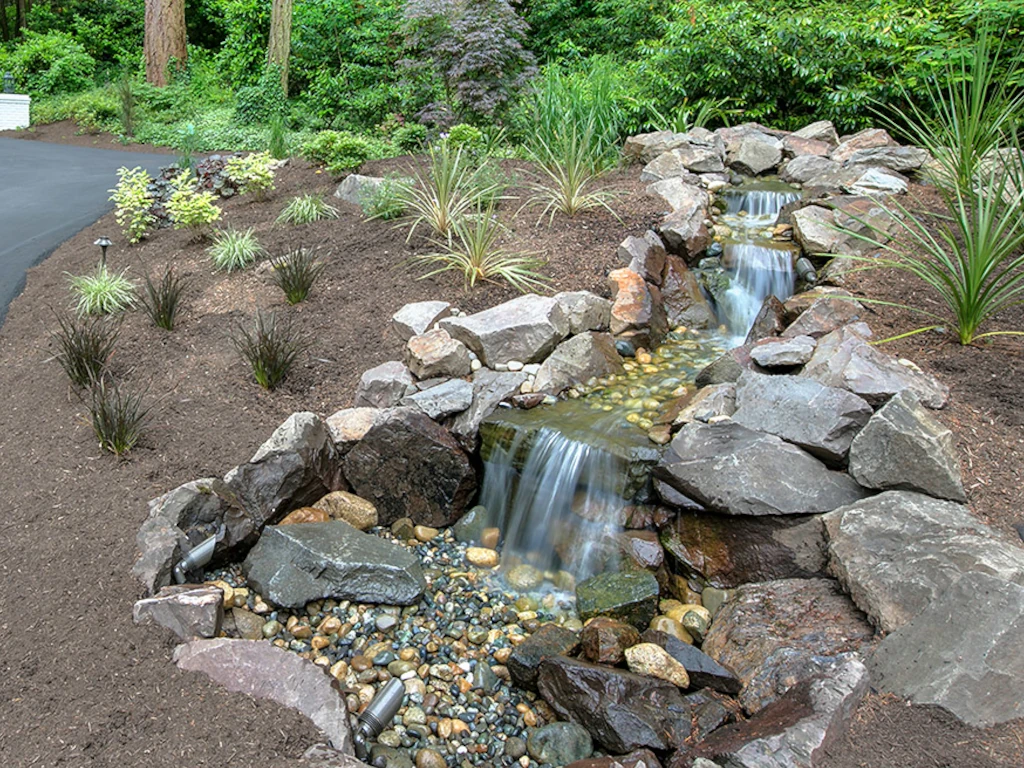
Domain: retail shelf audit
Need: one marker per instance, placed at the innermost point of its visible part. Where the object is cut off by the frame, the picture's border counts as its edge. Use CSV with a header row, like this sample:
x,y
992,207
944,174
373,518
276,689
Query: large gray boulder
x,y
489,389
783,352
962,652
349,425
733,470
904,448
263,671
682,161
576,360
683,229
875,182
897,552
447,398
418,317
840,224
585,311
824,315
356,189
644,255
900,159
645,147
756,153
821,420
822,130
844,359
384,386
292,565
869,138
409,466
802,169
709,402
526,329
775,634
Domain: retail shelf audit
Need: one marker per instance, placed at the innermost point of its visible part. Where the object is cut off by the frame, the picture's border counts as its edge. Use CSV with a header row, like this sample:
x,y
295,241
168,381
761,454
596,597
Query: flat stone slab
x,y
263,671
734,470
489,389
418,317
782,353
294,564
384,386
896,552
963,652
453,396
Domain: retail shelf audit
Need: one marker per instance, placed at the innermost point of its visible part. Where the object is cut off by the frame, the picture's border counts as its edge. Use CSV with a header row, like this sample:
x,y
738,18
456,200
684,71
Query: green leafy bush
x,y
190,208
465,136
95,109
132,203
50,63
270,349
295,274
342,151
234,249
84,346
384,201
306,209
410,137
251,173
261,102
103,292
118,416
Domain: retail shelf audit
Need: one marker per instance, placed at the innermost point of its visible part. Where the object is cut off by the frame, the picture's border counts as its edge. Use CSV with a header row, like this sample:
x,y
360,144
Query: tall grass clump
x,y
118,417
295,274
270,349
234,249
475,252
84,346
103,292
277,140
306,209
162,299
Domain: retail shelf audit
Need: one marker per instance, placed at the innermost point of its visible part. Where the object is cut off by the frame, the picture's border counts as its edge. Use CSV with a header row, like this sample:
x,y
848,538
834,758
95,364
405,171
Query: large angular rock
x,y
448,397
355,188
709,402
821,420
783,353
802,169
839,225
296,564
775,634
904,448
681,161
489,389
409,466
822,130
629,596
727,368
559,743
682,297
757,152
435,353
824,315
962,652
900,159
622,711
526,329
585,311
418,317
645,147
264,671
187,611
794,731
704,671
726,551
869,138
295,467
876,183
668,166
897,552
576,360
633,305
795,146
844,359
683,230
549,641
349,425
736,471
644,255
384,386
768,322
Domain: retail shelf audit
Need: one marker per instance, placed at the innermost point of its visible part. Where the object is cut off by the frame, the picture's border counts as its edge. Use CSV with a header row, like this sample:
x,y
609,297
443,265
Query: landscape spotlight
x,y
103,243
8,82
378,716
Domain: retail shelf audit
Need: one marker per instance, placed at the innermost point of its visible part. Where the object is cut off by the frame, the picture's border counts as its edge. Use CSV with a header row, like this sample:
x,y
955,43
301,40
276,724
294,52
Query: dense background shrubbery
x,y
379,67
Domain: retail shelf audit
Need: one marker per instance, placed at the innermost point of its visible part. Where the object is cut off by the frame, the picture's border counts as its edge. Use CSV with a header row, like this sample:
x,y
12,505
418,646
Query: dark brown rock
x,y
682,298
643,548
770,321
704,671
641,758
604,640
549,641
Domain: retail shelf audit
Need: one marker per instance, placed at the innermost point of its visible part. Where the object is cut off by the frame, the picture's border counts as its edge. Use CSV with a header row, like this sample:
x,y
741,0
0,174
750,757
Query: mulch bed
x,y
81,685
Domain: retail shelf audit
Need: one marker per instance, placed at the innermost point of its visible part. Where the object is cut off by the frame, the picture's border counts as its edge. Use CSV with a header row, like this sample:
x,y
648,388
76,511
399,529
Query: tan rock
x,y
482,557
654,661
424,532
306,515
679,610
339,670
671,627
354,510
248,624
490,537
329,626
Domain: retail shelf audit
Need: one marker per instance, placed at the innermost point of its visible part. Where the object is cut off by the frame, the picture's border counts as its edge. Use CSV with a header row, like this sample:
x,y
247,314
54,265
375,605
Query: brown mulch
x,y
80,685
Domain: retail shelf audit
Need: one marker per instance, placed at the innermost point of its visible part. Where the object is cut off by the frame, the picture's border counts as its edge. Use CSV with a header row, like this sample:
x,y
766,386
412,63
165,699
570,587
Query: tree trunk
x,y
19,16
164,38
5,30
280,38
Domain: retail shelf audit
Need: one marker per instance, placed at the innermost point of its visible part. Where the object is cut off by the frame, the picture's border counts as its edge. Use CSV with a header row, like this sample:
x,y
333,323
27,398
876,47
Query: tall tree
x,y
20,10
5,30
164,38
280,44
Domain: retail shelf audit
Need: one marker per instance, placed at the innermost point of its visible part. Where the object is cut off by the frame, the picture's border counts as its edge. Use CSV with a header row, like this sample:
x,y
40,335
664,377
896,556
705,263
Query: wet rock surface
x,y
703,671
550,641
630,596
604,640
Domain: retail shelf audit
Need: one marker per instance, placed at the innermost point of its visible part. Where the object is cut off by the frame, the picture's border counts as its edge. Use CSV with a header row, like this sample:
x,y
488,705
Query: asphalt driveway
x,y
48,192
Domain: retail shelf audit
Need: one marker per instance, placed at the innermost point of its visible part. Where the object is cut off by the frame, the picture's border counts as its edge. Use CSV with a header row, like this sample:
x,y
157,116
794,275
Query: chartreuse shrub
x,y
190,208
103,292
251,173
118,416
234,249
306,209
49,64
342,151
270,349
84,346
132,203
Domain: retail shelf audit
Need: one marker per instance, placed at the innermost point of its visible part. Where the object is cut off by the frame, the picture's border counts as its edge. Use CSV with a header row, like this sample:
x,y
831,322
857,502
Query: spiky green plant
x,y
103,292
84,346
234,249
118,417
270,349
475,251
162,298
306,209
295,274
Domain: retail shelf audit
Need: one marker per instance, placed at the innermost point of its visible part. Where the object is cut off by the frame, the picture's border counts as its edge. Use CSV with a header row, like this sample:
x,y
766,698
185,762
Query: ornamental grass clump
x,y
84,346
190,208
295,274
475,251
117,416
270,349
234,249
251,173
103,292
132,203
162,299
306,209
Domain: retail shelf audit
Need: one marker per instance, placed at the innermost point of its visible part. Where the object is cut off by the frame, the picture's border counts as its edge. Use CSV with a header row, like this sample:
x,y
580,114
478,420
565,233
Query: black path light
x,y
8,82
103,243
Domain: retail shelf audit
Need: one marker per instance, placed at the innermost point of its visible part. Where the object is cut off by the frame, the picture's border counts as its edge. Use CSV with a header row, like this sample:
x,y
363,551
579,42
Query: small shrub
x,y
262,102
475,251
84,346
187,144
233,249
128,104
466,137
251,173
306,209
295,274
161,299
192,209
383,201
118,417
341,151
410,137
277,143
132,203
270,349
103,292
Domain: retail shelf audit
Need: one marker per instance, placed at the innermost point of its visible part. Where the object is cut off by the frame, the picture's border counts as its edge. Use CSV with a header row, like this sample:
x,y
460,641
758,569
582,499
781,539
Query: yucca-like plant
x,y
234,249
103,292
118,417
306,209
84,346
162,299
270,349
475,251
295,274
